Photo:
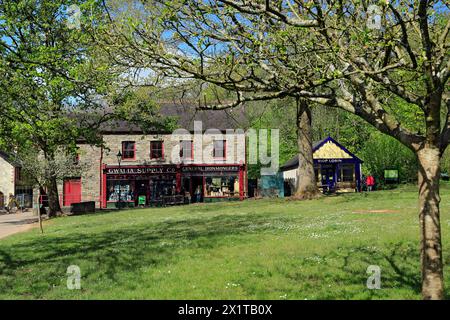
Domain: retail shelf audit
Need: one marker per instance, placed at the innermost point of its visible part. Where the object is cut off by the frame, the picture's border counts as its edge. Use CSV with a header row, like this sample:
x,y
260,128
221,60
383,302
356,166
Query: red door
x,y
72,191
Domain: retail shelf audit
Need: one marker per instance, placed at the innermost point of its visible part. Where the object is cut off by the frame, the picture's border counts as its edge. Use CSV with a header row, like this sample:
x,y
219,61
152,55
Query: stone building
x,y
204,161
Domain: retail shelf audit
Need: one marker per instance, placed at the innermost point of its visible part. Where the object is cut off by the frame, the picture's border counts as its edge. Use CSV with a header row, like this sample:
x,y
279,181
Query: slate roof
x,y
186,114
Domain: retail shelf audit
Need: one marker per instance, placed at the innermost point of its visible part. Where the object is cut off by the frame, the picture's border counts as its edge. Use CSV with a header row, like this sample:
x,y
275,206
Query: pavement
x,y
17,222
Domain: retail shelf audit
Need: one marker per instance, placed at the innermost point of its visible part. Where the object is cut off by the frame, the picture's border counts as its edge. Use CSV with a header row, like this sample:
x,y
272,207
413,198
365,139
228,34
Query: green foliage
x,y
49,73
445,161
382,152
276,114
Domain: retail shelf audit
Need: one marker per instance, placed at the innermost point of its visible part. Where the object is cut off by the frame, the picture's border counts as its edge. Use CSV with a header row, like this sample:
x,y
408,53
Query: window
x,y
186,151
18,174
119,190
222,186
156,150
76,159
128,150
347,173
219,150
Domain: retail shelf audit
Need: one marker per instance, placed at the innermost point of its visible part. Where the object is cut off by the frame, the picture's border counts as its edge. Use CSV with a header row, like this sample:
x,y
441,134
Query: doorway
x,y
72,191
142,190
328,173
197,184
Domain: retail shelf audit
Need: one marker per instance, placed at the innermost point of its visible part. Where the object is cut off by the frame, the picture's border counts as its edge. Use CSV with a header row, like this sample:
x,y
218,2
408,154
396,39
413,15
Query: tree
x,y
348,54
42,172
56,89
49,79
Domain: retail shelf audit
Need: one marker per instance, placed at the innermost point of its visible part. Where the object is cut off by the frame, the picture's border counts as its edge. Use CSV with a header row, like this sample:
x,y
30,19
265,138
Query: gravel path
x,y
17,222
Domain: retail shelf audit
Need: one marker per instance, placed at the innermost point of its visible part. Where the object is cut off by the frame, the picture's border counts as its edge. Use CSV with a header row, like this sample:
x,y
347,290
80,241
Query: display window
x,y
120,190
222,186
347,171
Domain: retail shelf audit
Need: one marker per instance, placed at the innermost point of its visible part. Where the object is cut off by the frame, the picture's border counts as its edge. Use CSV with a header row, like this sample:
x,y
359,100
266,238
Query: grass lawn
x,y
256,249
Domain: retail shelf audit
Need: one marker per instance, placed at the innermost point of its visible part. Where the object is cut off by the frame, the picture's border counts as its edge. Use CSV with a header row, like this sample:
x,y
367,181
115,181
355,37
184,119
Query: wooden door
x,y
72,191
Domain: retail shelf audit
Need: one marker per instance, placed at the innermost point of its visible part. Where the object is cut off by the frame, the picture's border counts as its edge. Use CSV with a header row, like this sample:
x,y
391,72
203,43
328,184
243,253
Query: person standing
x,y
370,182
198,194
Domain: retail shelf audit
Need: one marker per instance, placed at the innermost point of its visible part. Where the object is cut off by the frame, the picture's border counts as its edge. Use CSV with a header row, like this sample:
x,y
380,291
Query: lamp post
x,y
119,159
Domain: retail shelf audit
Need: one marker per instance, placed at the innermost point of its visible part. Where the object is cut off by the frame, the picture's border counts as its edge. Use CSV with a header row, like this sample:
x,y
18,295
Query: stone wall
x,y
91,179
235,149
6,178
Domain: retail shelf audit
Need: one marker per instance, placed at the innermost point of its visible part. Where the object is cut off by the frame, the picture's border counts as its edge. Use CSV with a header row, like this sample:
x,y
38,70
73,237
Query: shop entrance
x,y
197,188
71,191
142,192
328,177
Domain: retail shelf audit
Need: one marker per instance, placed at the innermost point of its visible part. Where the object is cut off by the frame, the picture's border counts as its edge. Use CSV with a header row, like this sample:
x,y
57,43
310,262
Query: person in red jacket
x,y
370,182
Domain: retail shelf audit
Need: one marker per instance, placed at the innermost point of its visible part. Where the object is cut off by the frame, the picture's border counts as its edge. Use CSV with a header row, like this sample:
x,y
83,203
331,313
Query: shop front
x,y
139,185
131,186
210,183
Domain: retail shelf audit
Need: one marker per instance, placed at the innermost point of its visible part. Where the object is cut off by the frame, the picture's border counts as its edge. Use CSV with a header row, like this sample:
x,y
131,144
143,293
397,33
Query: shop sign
x,y
138,171
328,160
211,169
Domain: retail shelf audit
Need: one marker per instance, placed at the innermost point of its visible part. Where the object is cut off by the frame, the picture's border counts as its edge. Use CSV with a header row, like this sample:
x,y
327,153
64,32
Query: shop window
x,y
120,190
156,150
186,150
128,150
219,149
347,172
222,187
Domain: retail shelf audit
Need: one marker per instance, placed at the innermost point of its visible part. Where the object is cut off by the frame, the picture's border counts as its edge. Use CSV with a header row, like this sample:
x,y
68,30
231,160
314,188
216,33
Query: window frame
x,y
224,150
347,166
162,149
124,151
182,156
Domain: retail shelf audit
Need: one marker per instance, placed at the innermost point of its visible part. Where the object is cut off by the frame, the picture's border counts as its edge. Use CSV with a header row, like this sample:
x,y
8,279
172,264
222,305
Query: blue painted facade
x,y
333,174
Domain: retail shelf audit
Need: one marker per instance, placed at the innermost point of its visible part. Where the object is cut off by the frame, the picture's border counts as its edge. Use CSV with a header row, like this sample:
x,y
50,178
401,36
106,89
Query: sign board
x,y
139,171
391,175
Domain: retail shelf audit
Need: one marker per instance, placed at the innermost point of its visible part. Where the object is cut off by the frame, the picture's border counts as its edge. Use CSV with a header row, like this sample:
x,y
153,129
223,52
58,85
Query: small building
x,y
336,168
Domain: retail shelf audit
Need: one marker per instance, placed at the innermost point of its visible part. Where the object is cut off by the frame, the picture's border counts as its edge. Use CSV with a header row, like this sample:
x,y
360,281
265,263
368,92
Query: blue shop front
x,y
336,168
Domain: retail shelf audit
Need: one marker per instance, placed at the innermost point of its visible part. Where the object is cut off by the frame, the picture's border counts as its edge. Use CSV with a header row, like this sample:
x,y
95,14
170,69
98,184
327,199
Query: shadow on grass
x,y
113,252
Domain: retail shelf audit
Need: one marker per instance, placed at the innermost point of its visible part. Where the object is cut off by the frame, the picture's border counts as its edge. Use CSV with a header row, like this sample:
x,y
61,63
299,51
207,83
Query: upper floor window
x,y
156,150
186,149
76,159
128,150
18,174
219,150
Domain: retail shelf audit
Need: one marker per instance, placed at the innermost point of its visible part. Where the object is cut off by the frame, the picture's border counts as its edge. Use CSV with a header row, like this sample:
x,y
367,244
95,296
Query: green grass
x,y
256,249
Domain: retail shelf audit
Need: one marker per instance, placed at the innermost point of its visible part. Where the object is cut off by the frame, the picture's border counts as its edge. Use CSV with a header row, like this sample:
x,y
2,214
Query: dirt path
x,y
17,222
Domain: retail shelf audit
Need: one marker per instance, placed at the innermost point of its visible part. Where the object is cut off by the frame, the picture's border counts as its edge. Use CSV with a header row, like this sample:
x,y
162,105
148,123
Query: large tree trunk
x,y
431,247
306,187
54,206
